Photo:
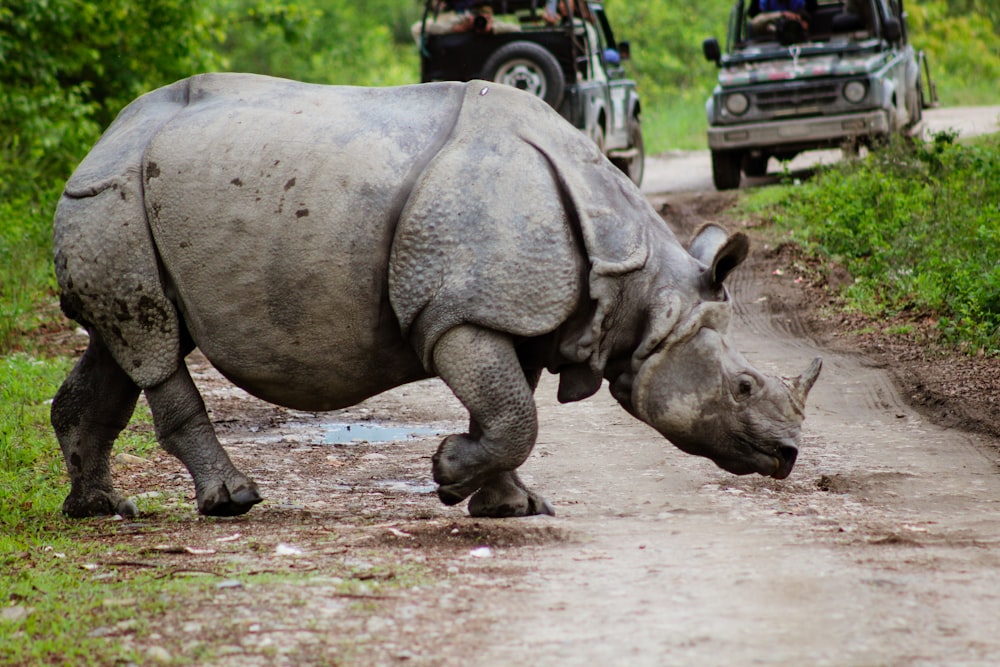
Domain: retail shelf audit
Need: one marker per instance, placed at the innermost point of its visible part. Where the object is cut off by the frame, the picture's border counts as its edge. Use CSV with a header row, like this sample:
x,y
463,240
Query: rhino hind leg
x,y
184,430
90,409
482,368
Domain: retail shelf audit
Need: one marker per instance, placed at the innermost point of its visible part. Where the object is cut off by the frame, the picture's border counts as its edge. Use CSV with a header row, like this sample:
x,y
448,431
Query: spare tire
x,y
530,67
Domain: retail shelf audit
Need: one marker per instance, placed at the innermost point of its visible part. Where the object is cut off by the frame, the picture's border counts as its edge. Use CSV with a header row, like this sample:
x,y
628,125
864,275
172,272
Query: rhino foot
x,y
98,503
458,470
506,496
218,500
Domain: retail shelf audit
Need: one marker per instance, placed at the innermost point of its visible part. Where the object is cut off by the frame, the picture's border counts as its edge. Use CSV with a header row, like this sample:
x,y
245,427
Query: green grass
x,y
26,276
917,227
61,602
675,123
32,477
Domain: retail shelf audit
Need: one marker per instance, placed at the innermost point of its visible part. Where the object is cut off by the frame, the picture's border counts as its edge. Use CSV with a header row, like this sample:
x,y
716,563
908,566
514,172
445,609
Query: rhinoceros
x,y
322,244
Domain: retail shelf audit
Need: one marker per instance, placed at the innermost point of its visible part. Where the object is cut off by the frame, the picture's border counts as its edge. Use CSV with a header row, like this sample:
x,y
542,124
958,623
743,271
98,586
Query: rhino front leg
x,y
88,412
184,430
482,369
505,495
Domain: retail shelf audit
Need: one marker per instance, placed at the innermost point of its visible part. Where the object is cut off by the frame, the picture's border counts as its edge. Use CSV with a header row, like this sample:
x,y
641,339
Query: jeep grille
x,y
787,100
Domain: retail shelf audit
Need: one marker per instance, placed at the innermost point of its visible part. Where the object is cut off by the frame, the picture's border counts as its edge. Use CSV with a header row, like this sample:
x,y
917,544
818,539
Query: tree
x,y
68,66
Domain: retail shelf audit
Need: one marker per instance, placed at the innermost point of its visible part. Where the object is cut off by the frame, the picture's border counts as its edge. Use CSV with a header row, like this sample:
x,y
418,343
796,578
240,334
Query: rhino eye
x,y
744,387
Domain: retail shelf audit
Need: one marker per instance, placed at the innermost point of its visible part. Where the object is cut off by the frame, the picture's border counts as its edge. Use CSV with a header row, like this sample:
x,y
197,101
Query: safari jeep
x,y
850,78
574,64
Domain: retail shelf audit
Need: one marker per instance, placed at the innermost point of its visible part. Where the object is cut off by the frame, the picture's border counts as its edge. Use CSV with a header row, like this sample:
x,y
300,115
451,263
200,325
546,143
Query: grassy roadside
x,y
918,230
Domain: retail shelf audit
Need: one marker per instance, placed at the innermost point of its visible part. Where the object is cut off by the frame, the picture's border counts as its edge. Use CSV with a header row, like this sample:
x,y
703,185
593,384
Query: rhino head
x,y
687,381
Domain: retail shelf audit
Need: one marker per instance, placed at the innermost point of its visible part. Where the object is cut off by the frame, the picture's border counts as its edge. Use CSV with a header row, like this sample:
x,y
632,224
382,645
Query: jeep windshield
x,y
834,27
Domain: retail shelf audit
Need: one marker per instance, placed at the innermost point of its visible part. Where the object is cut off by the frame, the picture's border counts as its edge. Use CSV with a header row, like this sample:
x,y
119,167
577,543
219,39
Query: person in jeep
x,y
779,17
462,16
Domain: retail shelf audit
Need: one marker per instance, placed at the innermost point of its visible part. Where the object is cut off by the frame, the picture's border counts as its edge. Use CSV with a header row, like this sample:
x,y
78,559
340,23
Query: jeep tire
x,y
530,67
726,169
634,164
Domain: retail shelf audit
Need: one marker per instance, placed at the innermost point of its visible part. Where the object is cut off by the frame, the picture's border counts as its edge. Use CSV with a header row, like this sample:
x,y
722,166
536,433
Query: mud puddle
x,y
346,433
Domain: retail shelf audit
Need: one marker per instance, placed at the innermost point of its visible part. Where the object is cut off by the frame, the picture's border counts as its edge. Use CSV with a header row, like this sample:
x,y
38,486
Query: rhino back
x,y
273,205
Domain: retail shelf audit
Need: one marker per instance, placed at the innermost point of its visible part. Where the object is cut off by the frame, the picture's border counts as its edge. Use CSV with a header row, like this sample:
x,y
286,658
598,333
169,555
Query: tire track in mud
x,y
763,315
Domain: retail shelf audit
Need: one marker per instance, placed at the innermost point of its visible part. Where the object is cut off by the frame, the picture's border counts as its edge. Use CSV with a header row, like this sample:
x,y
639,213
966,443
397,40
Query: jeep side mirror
x,y
710,47
625,50
891,29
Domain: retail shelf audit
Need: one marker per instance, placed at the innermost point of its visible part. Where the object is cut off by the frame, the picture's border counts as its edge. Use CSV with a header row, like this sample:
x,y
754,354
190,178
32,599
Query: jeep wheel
x,y
726,169
530,67
634,163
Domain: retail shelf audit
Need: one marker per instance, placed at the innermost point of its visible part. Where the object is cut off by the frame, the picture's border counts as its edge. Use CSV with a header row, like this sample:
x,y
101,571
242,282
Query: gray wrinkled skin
x,y
323,244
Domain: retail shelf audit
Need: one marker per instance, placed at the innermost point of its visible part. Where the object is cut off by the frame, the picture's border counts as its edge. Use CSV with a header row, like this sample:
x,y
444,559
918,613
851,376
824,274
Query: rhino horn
x,y
801,385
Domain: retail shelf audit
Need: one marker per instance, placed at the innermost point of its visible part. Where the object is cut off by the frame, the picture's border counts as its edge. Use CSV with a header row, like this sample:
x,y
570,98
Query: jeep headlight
x,y
737,104
855,91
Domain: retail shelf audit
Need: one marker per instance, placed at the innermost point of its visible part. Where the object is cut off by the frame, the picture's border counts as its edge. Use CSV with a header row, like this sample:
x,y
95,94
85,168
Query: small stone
x,y
287,550
131,459
158,655
15,613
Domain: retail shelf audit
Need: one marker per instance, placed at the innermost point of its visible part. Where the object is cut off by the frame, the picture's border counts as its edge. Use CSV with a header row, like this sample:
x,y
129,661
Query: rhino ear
x,y
720,251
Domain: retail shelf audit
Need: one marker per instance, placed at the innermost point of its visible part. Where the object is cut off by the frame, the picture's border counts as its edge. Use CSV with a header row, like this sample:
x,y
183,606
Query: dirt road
x,y
691,171
881,549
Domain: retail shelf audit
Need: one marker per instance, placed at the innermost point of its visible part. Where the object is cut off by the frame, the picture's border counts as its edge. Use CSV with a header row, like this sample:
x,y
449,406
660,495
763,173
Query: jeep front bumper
x,y
800,133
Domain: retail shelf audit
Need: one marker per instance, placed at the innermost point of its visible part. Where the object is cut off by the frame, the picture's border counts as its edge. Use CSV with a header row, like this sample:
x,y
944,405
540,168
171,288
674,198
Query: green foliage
x,y
673,76
988,9
67,67
666,38
31,470
918,228
321,42
963,48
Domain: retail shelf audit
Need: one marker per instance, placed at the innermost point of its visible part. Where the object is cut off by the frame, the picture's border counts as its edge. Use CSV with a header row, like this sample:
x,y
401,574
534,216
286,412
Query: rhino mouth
x,y
777,462
785,461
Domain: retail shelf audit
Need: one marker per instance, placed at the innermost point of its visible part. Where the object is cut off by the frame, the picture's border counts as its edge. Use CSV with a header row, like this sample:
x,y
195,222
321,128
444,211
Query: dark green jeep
x,y
845,76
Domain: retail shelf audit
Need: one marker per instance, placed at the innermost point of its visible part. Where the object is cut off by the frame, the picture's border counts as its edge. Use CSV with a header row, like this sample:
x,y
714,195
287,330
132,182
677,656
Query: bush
x,y
918,228
321,42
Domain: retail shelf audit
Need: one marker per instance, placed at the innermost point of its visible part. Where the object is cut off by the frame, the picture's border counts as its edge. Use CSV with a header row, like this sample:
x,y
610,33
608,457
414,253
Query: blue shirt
x,y
782,5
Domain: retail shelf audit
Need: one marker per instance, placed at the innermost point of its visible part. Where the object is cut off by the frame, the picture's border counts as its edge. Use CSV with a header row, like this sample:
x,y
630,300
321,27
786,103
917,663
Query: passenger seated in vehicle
x,y
554,11
784,20
557,11
462,16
